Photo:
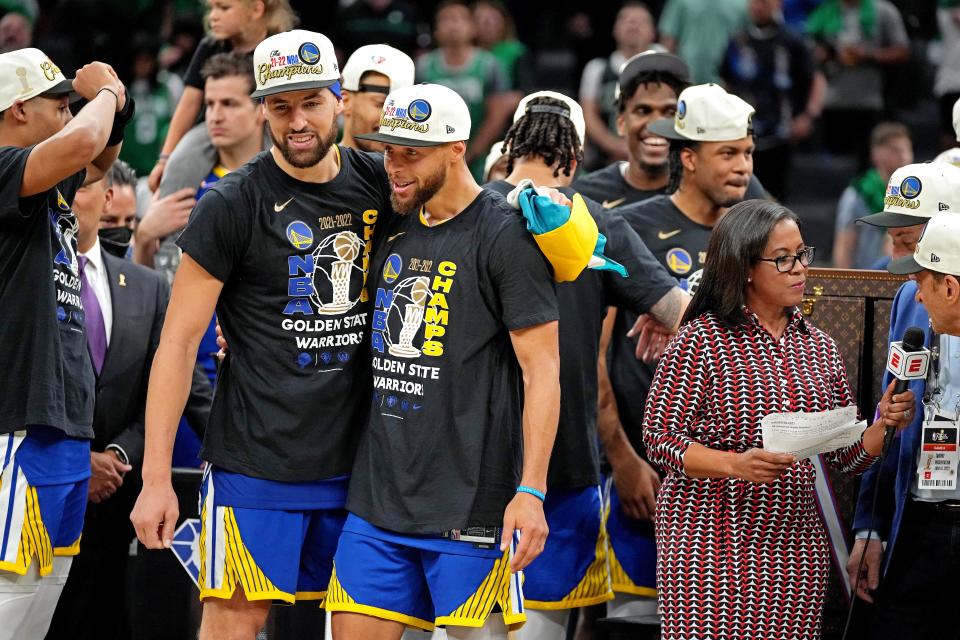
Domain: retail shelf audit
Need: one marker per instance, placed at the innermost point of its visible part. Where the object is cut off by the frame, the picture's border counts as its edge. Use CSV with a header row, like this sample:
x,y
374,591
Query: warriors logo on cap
x,y
910,187
309,53
424,115
294,61
419,110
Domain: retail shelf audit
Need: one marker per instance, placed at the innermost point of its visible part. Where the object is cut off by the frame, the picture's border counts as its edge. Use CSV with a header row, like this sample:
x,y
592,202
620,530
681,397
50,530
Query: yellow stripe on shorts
x,y
594,588
499,587
339,600
622,583
236,563
33,540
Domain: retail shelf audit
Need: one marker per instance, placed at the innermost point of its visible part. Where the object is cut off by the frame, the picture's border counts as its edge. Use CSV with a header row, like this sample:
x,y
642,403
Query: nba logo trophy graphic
x,y
346,246
415,292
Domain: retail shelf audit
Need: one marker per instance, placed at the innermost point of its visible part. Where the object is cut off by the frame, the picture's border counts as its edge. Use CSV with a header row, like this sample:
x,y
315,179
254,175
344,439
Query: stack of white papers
x,y
808,434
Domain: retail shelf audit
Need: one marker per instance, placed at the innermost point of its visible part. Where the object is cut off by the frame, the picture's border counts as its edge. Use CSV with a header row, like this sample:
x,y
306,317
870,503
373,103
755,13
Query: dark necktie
x,y
95,327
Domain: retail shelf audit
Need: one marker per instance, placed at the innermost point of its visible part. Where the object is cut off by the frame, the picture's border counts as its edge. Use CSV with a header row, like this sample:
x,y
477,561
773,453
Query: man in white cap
x,y
281,247
446,496
50,328
546,145
369,75
711,164
897,561
647,90
935,267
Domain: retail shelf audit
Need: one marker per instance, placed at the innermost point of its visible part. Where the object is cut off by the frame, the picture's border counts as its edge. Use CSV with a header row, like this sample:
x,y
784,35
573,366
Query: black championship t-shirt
x,y
575,461
608,187
48,378
293,391
444,444
680,245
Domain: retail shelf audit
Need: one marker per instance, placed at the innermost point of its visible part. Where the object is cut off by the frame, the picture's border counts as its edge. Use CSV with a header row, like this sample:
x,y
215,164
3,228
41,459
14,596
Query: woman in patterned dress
x,y
742,552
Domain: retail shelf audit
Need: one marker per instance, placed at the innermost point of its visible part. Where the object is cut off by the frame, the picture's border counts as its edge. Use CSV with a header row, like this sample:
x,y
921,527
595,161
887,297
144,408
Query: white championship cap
x,y
707,113
382,58
916,193
424,115
28,73
572,112
293,61
937,250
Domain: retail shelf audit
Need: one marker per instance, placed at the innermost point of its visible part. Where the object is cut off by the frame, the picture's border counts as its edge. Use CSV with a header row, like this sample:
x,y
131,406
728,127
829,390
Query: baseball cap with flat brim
x,y
379,58
937,250
650,61
571,110
916,193
28,73
424,115
295,61
706,113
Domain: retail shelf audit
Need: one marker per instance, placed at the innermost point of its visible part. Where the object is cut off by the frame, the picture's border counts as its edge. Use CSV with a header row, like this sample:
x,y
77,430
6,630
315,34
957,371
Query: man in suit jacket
x,y
125,304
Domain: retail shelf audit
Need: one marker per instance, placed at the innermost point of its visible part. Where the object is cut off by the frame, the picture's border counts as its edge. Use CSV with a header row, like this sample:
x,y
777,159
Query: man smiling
x,y
281,247
453,464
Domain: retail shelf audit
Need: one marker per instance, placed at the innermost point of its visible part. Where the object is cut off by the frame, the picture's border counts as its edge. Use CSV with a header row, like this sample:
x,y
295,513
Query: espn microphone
x,y
907,361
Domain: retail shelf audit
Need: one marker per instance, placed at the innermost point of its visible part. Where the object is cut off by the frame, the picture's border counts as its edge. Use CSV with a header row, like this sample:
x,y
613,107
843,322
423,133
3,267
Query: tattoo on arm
x,y
667,309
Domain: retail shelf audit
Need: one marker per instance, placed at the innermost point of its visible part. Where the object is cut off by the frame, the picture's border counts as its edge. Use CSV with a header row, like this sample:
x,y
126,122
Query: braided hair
x,y
676,164
546,133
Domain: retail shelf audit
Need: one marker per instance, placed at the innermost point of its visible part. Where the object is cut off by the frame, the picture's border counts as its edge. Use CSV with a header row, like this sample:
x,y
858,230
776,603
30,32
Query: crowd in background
x,y
845,92
822,74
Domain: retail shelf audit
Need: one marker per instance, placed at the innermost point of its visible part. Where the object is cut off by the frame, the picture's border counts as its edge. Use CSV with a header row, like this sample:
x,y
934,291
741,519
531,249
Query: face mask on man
x,y
116,240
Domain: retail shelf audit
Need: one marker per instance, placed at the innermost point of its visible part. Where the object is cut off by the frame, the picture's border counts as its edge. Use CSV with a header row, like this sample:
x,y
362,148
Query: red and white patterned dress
x,y
738,560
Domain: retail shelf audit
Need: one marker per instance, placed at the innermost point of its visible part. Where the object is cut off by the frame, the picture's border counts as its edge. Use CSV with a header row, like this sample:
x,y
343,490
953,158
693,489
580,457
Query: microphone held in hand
x,y
908,360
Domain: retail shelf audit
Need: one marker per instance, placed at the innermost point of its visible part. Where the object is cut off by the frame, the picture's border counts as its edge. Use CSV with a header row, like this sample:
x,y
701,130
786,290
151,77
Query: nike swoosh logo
x,y
663,235
280,207
610,204
392,238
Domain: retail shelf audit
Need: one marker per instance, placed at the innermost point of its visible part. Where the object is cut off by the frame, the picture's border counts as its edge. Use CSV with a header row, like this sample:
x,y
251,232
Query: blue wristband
x,y
532,491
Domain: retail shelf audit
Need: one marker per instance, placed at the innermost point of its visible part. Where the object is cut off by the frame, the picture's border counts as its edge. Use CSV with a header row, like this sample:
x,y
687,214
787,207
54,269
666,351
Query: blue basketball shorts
x,y
274,549
41,515
632,549
572,571
423,581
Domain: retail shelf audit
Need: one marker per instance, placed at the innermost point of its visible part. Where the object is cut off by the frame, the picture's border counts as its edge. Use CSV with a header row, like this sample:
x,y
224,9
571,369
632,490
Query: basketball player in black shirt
x,y
544,144
447,491
281,247
647,90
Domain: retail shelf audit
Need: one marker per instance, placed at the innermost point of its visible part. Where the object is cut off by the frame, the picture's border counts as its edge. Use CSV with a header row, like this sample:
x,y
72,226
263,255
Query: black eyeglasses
x,y
787,263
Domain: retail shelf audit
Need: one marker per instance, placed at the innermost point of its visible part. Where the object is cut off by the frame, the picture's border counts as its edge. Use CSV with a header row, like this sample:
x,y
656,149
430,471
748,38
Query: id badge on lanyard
x,y
939,456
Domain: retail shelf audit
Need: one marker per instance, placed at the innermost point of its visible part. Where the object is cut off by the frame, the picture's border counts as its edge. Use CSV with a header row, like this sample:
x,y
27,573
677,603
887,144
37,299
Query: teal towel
x,y
543,215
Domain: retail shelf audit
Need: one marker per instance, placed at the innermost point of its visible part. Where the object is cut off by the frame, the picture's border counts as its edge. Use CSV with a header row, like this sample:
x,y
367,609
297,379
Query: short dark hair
x,y
225,65
735,244
548,135
654,76
121,174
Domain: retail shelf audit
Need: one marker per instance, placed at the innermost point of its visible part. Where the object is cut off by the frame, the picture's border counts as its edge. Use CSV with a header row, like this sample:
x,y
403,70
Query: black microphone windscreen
x,y
913,339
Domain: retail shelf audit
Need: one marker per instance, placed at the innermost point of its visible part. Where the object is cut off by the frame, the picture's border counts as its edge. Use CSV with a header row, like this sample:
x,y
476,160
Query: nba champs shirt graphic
x,y
293,257
443,449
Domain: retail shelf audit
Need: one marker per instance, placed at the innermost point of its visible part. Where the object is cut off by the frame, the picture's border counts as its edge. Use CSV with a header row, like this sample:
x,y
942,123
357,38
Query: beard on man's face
x,y
304,159
412,204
